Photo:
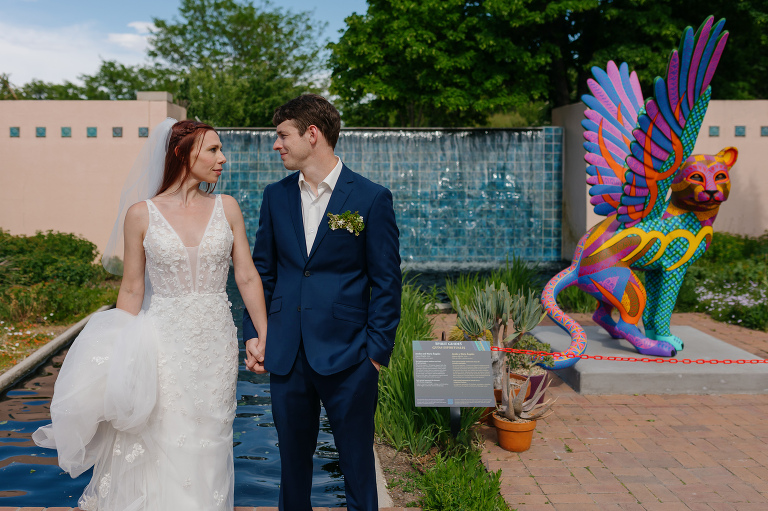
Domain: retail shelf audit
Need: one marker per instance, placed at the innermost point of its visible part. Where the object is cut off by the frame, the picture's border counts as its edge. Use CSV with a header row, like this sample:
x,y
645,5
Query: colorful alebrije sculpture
x,y
636,154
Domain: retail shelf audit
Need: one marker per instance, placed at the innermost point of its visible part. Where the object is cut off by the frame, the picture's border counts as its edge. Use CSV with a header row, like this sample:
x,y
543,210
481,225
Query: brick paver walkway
x,y
675,452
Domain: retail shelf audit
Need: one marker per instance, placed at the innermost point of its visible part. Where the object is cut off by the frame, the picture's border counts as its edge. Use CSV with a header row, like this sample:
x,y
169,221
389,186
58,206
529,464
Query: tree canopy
x,y
454,62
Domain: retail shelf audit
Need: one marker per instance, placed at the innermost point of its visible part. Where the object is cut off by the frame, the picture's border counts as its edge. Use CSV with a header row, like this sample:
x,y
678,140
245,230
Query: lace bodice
x,y
175,270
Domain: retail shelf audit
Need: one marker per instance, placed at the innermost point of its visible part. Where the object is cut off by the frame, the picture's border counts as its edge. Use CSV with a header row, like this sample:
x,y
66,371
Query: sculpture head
x,y
703,181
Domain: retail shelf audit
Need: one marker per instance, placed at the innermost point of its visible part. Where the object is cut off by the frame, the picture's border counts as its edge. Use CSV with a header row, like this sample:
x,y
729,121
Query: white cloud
x,y
137,41
64,53
142,27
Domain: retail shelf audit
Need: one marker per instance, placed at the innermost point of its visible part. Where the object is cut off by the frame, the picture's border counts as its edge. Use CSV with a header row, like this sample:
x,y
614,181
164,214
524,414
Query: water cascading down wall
x,y
465,199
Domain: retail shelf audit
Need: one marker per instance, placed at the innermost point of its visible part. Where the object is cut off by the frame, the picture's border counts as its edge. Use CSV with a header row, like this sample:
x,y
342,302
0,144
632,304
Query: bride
x,y
146,394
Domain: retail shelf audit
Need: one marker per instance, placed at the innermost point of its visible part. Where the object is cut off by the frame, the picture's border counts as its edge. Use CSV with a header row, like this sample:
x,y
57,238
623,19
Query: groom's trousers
x,y
349,398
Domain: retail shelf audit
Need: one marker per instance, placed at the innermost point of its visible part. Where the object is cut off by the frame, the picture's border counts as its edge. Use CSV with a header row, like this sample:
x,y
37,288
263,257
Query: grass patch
x,y
460,481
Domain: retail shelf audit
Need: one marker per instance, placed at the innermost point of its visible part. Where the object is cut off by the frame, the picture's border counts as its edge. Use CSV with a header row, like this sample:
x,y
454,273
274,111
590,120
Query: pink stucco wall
x,y
71,184
745,212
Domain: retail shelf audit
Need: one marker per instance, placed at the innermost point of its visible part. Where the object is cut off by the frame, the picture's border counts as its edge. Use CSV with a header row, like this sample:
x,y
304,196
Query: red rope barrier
x,y
632,359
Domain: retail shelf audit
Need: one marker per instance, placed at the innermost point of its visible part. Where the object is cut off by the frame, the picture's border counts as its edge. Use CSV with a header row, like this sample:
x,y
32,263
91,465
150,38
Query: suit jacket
x,y
343,299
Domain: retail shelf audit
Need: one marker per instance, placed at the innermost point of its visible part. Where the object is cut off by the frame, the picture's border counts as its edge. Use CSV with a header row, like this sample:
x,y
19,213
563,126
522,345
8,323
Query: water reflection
x,y
30,476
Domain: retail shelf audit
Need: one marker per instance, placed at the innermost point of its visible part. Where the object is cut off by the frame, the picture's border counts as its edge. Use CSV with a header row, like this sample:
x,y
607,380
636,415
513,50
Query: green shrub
x,y
573,299
460,482
727,248
48,273
519,276
66,302
462,291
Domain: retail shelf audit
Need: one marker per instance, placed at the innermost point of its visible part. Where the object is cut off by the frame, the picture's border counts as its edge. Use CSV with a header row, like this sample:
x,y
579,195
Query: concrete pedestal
x,y
612,377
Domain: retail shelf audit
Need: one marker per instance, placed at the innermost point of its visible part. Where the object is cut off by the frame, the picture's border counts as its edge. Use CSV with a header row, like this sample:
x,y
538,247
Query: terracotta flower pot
x,y
514,436
536,381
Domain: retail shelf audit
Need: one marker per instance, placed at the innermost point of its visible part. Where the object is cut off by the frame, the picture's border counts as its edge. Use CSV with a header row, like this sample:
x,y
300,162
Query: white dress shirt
x,y
313,206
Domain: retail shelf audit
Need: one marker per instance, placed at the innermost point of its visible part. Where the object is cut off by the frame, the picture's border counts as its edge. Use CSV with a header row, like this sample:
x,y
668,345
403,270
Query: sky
x,y
57,40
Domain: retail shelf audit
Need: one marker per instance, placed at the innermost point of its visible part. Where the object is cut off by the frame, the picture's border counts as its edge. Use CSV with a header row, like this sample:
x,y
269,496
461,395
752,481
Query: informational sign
x,y
453,373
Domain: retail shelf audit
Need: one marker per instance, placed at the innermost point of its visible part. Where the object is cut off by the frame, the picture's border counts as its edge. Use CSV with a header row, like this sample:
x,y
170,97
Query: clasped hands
x,y
254,355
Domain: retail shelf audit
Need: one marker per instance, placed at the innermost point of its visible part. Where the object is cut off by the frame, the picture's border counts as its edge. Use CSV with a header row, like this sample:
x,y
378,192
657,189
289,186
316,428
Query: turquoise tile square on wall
x,y
714,131
66,132
91,132
40,132
740,131
15,132
117,132
143,132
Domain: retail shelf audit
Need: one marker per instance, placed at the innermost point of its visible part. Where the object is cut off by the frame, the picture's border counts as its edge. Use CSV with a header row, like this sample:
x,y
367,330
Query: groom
x,y
332,287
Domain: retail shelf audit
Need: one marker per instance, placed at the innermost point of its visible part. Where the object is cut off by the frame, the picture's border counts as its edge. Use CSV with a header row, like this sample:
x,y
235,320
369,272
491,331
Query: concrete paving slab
x,y
589,376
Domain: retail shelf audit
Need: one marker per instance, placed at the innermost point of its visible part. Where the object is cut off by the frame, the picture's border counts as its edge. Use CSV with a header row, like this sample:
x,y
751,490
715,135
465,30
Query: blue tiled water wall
x,y
464,199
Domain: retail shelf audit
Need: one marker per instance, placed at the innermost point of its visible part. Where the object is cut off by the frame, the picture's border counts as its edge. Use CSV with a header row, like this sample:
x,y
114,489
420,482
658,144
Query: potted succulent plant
x,y
516,420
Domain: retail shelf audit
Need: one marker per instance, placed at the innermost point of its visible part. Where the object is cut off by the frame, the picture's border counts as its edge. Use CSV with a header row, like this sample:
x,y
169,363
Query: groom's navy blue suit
x,y
328,313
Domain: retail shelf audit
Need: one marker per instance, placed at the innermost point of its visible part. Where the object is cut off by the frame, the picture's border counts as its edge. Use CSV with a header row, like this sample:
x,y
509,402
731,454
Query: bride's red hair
x,y
185,135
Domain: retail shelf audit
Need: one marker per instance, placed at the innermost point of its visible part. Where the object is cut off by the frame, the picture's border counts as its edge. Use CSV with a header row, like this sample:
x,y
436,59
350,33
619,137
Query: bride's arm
x,y
249,284
132,287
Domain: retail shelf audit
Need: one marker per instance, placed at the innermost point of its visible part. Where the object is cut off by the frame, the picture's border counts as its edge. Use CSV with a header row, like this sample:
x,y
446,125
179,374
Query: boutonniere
x,y
352,222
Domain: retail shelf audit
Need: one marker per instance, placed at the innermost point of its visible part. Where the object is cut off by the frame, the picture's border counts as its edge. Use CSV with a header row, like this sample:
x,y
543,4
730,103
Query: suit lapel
x,y
294,205
338,198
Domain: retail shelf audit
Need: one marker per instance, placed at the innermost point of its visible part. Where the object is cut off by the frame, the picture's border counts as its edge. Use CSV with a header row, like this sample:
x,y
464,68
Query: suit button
x,y
307,274
298,309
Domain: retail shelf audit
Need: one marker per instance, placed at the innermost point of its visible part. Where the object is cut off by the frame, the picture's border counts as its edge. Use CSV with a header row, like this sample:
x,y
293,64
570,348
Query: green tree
x,y
234,62
426,63
114,81
7,89
643,33
38,89
454,62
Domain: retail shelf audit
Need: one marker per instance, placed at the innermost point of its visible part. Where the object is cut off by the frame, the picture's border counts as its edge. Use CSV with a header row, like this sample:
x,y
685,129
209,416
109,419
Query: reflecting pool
x,y
30,476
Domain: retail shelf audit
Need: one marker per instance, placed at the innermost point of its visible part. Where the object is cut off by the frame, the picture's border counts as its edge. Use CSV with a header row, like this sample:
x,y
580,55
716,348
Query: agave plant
x,y
525,314
519,409
472,323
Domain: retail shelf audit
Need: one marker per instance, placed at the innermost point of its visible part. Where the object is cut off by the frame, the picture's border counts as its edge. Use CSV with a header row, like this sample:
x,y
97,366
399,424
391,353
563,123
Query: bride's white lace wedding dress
x,y
149,400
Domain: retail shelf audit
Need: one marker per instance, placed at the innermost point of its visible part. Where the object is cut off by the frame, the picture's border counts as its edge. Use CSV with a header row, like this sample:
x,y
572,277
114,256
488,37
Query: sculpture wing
x,y
611,116
669,124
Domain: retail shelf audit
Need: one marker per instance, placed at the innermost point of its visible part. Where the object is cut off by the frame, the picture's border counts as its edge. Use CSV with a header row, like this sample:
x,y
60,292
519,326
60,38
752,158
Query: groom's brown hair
x,y
311,109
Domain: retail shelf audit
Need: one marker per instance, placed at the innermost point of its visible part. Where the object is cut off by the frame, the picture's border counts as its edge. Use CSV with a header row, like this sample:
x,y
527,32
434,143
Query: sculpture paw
x,y
657,348
673,340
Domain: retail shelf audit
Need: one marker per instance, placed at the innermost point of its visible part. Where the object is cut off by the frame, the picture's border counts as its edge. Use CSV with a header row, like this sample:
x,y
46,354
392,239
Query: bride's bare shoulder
x,y
137,215
229,203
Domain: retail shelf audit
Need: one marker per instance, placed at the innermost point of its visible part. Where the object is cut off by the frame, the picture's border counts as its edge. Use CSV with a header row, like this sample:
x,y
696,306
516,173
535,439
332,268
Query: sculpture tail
x,y
562,280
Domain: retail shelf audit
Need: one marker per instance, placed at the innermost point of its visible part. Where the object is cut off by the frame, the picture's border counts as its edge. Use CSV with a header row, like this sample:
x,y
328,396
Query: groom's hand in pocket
x,y
254,355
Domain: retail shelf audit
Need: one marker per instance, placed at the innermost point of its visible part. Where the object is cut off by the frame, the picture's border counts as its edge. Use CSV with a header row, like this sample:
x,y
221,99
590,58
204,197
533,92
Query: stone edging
x,y
29,364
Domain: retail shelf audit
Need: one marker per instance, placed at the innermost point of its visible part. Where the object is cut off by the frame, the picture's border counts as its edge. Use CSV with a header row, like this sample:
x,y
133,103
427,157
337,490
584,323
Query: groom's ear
x,y
313,131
